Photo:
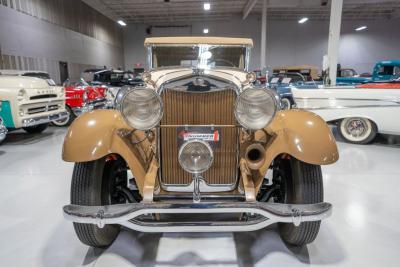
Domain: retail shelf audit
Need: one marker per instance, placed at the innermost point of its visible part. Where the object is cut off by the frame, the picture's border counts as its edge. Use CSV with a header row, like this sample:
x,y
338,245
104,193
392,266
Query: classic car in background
x,y
395,84
3,129
80,98
29,102
309,72
260,77
283,82
359,114
114,80
198,138
383,71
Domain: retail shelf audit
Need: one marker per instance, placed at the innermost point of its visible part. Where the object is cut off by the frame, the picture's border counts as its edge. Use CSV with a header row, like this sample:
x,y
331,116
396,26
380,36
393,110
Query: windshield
x,y
41,75
200,56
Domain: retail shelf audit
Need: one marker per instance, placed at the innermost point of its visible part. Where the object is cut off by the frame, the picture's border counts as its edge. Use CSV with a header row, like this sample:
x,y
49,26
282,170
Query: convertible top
x,y
198,40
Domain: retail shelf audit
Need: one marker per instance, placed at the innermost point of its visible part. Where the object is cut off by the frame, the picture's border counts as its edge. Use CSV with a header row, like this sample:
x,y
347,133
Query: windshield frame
x,y
150,55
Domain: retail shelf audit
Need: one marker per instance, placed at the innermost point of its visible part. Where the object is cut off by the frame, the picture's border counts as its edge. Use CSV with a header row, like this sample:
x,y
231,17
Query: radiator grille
x,y
180,108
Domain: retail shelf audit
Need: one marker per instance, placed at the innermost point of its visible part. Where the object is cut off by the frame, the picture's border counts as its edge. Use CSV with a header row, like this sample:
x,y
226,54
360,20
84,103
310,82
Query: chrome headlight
x,y
195,156
141,108
255,108
21,94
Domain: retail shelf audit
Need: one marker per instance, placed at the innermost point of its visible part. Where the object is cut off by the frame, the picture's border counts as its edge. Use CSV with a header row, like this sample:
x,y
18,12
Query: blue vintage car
x,y
283,82
383,71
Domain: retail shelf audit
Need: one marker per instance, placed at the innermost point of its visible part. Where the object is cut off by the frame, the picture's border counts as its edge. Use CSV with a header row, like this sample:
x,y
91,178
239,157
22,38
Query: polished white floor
x,y
364,187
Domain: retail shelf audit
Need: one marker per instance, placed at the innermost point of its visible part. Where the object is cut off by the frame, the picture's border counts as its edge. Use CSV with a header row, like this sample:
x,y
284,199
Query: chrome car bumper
x,y
44,119
97,104
3,131
128,215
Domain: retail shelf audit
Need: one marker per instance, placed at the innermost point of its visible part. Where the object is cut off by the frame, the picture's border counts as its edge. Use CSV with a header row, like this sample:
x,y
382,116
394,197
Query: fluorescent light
x,y
121,22
302,20
207,6
361,28
205,30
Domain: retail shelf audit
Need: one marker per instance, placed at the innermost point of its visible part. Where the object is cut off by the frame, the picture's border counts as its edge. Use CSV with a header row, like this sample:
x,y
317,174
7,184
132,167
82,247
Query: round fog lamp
x,y
195,156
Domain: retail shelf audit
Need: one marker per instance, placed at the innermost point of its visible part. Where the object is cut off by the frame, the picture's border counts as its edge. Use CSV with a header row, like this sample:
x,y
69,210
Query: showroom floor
x,y
364,187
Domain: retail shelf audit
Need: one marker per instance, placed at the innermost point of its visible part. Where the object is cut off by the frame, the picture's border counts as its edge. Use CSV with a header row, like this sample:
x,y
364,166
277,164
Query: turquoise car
x,y
383,71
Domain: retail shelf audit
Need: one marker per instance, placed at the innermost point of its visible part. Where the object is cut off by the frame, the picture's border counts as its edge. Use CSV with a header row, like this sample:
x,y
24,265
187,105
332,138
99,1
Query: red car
x,y
381,85
80,98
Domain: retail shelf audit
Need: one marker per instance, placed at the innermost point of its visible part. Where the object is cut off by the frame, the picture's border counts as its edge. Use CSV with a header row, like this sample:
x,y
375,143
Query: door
x,y
63,71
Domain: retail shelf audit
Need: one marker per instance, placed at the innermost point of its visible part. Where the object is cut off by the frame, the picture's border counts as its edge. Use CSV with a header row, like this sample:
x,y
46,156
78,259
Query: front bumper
x,y
44,119
3,131
128,215
97,104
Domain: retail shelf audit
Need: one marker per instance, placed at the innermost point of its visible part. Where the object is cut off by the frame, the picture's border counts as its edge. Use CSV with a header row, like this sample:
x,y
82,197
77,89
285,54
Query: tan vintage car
x,y
198,149
29,100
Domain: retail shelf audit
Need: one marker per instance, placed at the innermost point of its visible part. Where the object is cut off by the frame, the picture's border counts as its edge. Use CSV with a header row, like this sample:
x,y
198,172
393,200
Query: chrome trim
x,y
3,131
89,106
204,187
127,215
44,119
391,103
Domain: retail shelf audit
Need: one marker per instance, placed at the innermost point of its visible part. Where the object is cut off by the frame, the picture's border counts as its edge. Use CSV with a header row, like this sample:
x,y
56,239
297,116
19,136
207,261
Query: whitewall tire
x,y
357,130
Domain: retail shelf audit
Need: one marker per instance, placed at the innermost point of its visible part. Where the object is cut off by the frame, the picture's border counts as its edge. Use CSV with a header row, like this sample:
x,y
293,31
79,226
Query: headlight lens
x,y
255,108
21,94
142,108
195,156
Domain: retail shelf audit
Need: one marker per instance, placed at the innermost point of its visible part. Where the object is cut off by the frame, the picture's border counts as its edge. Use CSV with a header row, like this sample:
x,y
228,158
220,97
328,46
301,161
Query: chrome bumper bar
x,y
127,215
97,104
44,119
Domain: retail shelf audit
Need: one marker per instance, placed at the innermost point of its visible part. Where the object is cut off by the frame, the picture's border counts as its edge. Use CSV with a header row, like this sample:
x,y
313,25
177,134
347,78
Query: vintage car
x,y
385,70
198,148
309,72
81,98
113,80
282,84
3,129
359,113
29,102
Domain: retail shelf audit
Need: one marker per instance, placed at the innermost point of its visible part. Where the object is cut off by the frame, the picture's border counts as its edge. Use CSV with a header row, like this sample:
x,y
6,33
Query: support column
x,y
333,41
263,35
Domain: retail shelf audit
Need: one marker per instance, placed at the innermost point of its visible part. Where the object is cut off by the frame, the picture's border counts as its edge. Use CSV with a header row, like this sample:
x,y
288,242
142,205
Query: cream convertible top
x,y
199,40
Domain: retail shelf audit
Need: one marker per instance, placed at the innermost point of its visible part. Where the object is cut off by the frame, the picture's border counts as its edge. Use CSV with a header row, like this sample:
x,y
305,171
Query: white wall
x,y
22,35
289,43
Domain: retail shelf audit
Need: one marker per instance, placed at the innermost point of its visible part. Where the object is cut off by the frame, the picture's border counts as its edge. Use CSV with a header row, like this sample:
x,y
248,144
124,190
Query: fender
x,y
300,134
99,133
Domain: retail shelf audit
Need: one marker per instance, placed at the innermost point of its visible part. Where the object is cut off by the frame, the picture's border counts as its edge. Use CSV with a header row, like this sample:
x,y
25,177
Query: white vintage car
x,y
359,113
29,101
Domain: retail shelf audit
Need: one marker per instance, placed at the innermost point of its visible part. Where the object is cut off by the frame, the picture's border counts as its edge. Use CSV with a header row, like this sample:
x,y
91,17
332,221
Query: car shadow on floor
x,y
249,249
20,137
380,139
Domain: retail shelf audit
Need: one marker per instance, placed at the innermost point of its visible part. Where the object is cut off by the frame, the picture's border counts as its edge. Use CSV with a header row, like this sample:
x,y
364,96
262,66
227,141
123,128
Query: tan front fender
x,y
301,134
99,133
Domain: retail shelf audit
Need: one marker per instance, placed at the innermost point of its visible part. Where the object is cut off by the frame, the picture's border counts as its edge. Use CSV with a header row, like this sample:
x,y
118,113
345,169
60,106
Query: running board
x,y
126,215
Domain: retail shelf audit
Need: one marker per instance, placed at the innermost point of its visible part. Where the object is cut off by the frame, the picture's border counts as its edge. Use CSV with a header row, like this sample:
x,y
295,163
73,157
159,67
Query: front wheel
x,y
96,183
66,121
36,129
298,183
286,104
357,130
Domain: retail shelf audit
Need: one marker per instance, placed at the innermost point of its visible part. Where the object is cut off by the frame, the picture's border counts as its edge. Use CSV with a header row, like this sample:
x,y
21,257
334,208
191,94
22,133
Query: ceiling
x,y
161,11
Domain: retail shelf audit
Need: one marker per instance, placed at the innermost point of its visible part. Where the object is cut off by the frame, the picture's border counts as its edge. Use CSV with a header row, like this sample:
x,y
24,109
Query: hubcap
x,y
64,121
356,127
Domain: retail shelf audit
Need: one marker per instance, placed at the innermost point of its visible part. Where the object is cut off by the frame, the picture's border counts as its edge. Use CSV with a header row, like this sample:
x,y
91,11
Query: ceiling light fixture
x,y
205,31
302,20
361,28
121,22
207,6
